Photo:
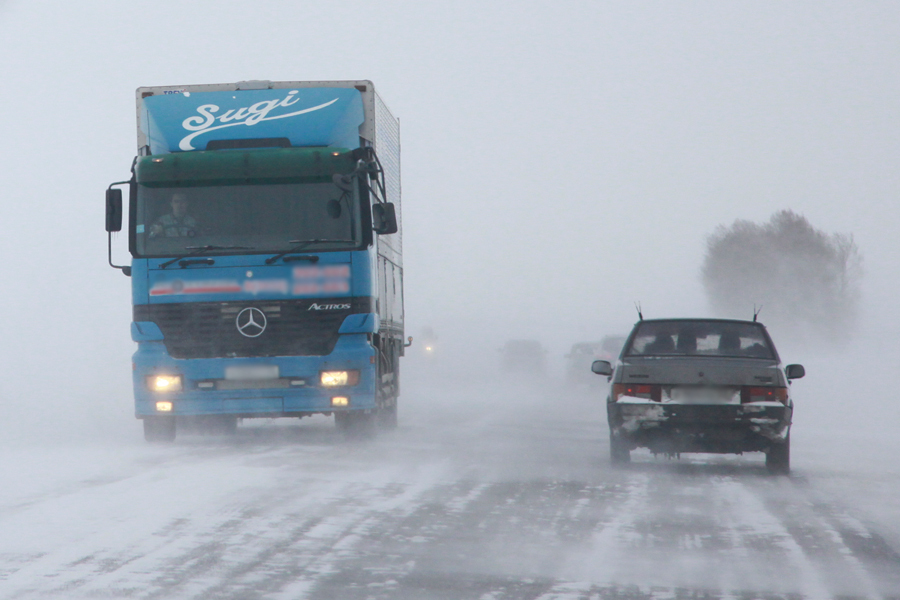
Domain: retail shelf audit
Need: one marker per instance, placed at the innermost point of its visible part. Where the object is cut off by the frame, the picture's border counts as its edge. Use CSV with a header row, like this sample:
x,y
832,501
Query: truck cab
x,y
266,270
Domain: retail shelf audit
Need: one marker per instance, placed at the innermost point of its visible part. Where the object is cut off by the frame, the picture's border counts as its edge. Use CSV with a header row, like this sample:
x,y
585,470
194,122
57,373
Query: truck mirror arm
x,y
370,164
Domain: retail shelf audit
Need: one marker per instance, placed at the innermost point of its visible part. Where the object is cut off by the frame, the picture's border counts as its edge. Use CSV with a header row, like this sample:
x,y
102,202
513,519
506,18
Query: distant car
x,y
611,347
427,345
523,356
700,385
583,354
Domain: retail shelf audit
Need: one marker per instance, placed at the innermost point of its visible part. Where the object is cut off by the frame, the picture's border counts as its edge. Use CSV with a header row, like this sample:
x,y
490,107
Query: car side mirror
x,y
384,218
113,210
602,367
794,371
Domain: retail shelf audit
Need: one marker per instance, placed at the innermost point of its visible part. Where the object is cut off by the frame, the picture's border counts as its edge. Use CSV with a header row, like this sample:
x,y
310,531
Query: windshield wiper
x,y
301,244
200,250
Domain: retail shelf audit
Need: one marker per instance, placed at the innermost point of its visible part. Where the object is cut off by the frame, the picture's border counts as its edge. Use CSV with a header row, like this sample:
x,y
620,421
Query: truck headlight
x,y
164,383
340,401
336,378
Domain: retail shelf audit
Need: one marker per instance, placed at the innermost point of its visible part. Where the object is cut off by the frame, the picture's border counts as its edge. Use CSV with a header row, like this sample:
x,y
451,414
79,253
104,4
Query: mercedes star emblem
x,y
251,322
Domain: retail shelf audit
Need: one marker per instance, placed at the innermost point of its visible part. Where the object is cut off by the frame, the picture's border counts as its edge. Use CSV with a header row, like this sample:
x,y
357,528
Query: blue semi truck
x,y
264,228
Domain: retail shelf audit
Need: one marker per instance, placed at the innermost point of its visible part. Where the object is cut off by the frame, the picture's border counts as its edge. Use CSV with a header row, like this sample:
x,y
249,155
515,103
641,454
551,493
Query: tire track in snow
x,y
469,540
719,534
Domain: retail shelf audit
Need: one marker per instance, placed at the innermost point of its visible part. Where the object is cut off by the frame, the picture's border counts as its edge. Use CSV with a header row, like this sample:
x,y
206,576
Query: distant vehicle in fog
x,y
523,356
583,354
700,385
610,347
428,342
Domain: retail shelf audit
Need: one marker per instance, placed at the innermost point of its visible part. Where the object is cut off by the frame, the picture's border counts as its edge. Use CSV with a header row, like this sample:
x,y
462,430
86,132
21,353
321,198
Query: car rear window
x,y
700,338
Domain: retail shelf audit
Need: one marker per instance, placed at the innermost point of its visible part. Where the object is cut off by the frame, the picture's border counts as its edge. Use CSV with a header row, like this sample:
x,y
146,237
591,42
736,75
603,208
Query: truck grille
x,y
293,327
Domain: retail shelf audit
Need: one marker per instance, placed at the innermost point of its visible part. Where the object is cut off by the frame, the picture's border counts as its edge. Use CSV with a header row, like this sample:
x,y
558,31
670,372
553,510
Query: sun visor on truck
x,y
185,121
269,165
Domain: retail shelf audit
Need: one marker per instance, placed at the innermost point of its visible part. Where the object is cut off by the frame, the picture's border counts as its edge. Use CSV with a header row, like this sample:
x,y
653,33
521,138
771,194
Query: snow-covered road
x,y
495,494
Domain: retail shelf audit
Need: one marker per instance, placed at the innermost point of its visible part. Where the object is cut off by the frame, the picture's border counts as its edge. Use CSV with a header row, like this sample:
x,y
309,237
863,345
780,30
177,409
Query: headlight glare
x,y
164,383
337,378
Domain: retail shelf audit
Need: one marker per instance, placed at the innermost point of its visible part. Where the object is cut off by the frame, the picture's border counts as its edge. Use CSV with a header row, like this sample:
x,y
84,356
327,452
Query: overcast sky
x,y
561,160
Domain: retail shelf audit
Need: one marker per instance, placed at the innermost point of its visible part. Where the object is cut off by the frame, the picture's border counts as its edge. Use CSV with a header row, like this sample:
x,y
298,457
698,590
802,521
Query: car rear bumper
x,y
676,428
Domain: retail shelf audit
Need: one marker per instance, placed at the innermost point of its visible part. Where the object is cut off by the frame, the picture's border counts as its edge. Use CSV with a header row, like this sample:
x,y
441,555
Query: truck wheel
x,y
387,416
619,454
223,425
356,424
341,421
778,458
159,429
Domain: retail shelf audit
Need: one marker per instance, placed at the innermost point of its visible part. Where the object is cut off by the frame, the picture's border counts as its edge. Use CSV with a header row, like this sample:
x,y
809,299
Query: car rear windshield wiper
x,y
301,244
200,250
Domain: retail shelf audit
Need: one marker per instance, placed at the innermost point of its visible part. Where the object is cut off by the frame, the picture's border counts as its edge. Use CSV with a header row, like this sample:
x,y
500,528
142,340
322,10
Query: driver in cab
x,y
177,223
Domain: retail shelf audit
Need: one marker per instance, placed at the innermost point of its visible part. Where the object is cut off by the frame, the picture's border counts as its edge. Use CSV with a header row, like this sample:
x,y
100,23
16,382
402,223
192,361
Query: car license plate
x,y
705,395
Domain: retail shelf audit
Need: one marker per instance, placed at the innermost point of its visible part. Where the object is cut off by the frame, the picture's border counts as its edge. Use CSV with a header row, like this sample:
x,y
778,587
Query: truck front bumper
x,y
263,387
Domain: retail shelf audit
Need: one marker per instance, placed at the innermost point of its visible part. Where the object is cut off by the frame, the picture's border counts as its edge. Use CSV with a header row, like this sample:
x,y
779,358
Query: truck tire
x,y
387,416
222,425
619,454
356,424
778,458
159,429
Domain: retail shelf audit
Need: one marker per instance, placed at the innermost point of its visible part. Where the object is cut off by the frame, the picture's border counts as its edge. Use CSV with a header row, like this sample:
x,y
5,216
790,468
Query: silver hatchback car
x,y
700,385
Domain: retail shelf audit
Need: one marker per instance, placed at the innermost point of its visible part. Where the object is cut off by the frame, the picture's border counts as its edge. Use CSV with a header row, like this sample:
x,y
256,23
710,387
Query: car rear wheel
x,y
778,458
159,429
619,454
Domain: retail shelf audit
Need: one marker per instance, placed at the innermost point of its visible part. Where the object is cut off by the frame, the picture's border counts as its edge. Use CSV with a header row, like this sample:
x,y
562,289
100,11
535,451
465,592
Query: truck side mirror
x,y
794,371
113,210
384,218
602,367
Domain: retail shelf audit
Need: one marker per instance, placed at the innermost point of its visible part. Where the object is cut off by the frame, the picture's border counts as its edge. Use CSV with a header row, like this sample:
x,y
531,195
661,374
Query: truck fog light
x,y
340,401
164,406
164,383
336,378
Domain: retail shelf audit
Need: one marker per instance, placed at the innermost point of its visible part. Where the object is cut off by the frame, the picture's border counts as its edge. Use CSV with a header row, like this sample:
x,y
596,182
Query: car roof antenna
x,y
756,311
637,306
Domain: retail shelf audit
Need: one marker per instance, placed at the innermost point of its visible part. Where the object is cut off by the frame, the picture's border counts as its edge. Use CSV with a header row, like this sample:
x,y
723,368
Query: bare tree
x,y
808,280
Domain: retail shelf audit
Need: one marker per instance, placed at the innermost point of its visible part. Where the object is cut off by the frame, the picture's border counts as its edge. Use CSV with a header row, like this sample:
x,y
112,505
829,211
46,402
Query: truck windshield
x,y
263,218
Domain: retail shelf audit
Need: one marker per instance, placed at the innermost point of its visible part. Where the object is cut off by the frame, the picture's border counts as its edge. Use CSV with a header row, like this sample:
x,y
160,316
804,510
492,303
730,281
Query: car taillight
x,y
764,394
650,392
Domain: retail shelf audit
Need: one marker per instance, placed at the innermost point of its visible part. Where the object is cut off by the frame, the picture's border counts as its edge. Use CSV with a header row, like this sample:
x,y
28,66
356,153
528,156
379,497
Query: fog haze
x,y
561,161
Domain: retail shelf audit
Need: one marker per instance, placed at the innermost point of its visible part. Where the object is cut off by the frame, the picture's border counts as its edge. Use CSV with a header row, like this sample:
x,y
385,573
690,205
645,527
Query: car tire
x,y
778,458
159,429
619,453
